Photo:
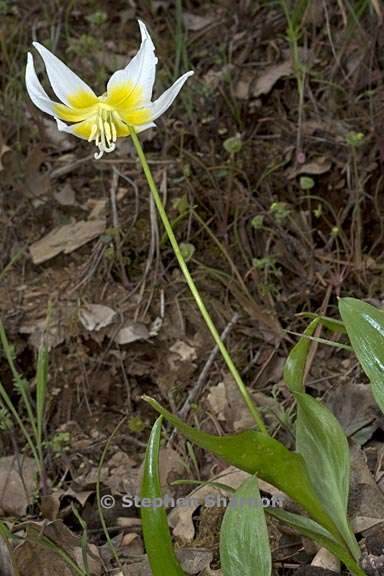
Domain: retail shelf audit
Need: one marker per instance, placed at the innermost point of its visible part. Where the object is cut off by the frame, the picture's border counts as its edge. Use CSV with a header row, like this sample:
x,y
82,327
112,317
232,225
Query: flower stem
x,y
193,288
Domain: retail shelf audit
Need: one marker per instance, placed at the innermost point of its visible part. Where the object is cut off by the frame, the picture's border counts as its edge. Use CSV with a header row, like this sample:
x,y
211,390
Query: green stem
x,y
193,288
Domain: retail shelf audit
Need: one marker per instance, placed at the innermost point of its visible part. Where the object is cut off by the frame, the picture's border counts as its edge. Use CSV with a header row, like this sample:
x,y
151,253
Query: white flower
x,y
103,119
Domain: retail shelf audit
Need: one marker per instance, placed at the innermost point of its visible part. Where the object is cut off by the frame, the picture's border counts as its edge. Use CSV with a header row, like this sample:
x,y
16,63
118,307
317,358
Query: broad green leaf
x,y
322,442
314,531
157,538
365,327
294,368
244,543
260,454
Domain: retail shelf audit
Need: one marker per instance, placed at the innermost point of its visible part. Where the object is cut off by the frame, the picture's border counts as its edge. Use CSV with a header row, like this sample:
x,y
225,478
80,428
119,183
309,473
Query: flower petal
x,y
71,89
84,129
162,104
35,90
73,114
81,129
143,127
123,129
134,84
135,116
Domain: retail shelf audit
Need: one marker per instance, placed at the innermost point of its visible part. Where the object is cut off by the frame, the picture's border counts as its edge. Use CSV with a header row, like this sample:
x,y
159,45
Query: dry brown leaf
x,y
66,195
184,351
61,140
96,316
16,490
180,518
50,331
37,183
50,505
268,79
195,22
5,559
194,560
343,401
3,150
120,474
97,207
324,559
242,88
315,167
65,239
366,500
171,466
217,400
131,332
33,558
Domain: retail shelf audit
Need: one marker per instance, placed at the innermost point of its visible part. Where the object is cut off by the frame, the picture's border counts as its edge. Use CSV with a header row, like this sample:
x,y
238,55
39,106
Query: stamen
x,y
98,154
104,133
93,132
108,133
114,131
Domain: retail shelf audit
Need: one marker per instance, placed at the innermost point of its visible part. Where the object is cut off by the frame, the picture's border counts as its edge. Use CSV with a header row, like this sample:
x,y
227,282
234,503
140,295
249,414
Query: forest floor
x,y
270,166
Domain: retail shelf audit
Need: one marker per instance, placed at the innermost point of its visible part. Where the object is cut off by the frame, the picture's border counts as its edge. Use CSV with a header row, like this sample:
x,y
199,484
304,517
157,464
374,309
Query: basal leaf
x,y
314,531
244,543
260,454
294,368
157,538
365,327
322,442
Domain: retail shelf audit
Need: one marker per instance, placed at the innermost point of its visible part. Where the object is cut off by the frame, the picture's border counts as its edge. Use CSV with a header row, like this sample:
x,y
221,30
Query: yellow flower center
x,y
105,118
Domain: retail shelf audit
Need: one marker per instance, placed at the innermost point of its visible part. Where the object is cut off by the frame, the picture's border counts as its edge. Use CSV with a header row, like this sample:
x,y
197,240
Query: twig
x,y
196,390
116,226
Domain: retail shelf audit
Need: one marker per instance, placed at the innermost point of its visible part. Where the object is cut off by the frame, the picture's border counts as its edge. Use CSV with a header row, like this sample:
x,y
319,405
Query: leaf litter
x,y
111,343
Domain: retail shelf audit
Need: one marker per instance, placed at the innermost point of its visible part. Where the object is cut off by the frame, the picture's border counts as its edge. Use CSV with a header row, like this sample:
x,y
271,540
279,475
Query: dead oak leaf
x,y
35,558
315,167
96,316
195,22
17,484
65,239
268,79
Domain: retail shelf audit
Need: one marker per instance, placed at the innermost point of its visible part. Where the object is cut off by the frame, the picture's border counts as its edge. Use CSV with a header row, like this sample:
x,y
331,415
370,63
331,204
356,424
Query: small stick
x,y
195,392
116,226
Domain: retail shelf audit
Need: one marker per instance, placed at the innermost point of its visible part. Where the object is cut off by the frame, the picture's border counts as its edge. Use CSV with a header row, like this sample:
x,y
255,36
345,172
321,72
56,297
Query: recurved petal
x,y
162,104
82,129
35,90
143,127
123,129
135,81
71,89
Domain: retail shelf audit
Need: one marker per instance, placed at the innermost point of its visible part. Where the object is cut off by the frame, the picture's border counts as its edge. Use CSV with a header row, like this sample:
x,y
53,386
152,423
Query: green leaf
x,y
365,327
157,538
260,454
294,368
322,442
244,543
330,323
41,391
314,531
